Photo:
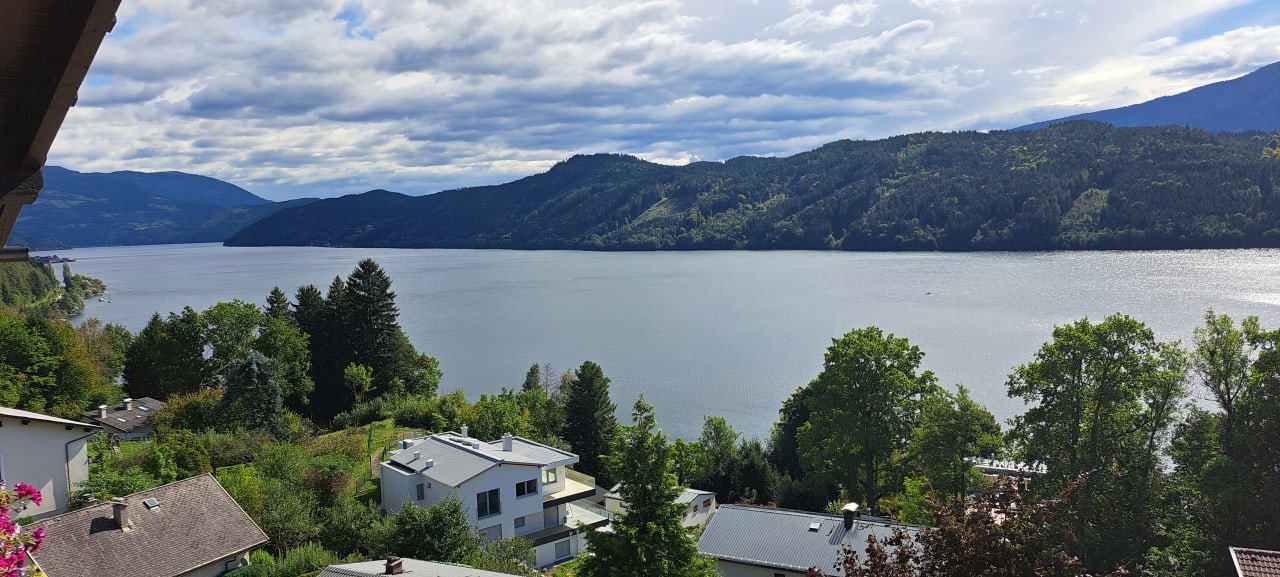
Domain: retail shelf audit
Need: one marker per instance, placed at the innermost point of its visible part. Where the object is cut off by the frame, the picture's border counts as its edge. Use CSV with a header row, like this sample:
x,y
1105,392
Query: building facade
x,y
509,487
46,452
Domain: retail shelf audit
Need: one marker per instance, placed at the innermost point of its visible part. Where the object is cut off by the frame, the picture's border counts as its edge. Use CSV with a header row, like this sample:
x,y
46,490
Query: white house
x,y
510,487
699,505
46,452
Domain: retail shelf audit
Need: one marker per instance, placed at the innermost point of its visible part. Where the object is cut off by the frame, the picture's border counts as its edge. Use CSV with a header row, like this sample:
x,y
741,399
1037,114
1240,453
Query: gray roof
x,y
689,495
412,567
125,420
195,524
454,459
21,414
781,539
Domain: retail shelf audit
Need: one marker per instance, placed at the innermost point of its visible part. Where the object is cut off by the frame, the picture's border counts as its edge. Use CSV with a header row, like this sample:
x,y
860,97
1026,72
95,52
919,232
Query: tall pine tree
x,y
649,540
590,420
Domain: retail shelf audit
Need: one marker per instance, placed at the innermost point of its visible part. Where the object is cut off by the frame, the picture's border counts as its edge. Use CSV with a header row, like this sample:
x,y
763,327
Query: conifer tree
x,y
649,539
590,419
277,304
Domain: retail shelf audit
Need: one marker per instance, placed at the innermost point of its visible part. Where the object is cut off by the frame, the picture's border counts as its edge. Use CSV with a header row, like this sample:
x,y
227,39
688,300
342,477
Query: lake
x,y
711,333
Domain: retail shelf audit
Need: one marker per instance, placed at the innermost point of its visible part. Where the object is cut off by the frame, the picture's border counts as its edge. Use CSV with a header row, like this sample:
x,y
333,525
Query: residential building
x,y
699,505
509,487
130,421
750,541
46,452
410,567
188,528
1255,562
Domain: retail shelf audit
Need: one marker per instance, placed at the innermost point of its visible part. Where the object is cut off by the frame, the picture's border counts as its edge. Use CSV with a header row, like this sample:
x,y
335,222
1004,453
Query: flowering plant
x,y
14,544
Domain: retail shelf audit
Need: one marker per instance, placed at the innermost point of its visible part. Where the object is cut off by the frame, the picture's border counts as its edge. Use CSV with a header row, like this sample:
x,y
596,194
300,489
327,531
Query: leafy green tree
x,y
953,430
350,527
230,329
717,458
1104,396
159,464
287,348
649,539
784,443
863,408
438,532
190,456
196,411
590,420
756,479
513,556
358,379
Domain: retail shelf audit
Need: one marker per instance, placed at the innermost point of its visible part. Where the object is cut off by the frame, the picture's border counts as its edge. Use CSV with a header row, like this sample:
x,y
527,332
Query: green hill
x,y
1076,185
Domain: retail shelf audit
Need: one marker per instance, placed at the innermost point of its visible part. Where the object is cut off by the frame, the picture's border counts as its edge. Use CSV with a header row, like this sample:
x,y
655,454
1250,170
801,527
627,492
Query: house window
x,y
562,549
695,508
548,476
491,534
422,494
488,503
529,487
706,503
519,522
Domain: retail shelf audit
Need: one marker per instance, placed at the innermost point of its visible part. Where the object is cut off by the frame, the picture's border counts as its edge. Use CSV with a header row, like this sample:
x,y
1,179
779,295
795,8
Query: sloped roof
x,y
781,539
21,414
1255,562
195,524
454,459
126,420
412,567
688,495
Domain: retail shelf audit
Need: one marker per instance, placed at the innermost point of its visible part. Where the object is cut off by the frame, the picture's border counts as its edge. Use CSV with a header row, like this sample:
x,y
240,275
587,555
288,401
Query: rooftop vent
x,y
102,411
151,503
506,442
395,566
464,430
417,455
128,404
814,526
428,463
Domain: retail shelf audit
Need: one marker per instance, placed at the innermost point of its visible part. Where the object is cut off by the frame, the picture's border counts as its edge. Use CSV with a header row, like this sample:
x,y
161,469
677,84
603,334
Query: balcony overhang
x,y
45,53
572,491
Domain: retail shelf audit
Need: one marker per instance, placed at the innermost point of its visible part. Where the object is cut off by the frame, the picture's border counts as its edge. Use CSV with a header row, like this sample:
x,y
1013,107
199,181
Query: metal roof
x,y
452,459
45,53
782,539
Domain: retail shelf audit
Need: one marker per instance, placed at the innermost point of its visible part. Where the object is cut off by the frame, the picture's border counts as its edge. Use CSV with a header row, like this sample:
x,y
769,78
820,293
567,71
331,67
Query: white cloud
x,y
324,97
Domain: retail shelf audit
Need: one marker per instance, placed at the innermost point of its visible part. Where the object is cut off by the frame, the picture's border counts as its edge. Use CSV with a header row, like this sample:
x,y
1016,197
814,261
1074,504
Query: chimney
x,y
506,442
850,511
416,455
120,511
102,411
128,404
464,430
395,566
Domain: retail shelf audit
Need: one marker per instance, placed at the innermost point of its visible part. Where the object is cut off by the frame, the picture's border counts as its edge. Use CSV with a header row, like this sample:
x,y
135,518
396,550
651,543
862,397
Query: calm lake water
x,y
712,333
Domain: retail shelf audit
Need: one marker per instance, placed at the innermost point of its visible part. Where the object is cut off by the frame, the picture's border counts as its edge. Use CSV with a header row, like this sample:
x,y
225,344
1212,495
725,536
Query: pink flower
x,y
27,491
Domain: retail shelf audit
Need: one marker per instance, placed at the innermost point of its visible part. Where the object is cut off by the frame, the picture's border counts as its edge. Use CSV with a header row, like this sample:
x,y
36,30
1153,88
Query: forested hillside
x,y
1077,185
30,286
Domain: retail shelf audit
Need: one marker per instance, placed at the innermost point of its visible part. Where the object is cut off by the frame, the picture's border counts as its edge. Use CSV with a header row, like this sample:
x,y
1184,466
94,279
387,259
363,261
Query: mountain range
x,y
1056,184
98,209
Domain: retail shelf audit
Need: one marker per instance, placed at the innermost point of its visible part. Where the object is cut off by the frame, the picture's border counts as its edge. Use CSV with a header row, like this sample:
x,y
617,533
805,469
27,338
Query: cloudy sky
x,y
291,98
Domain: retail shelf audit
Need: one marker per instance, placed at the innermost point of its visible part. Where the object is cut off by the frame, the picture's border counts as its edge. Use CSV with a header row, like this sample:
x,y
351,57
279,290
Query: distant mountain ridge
x,y
97,209
1075,185
1250,102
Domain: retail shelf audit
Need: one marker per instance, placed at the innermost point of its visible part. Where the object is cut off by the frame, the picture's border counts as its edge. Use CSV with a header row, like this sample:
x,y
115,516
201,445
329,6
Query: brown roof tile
x,y
196,523
1256,562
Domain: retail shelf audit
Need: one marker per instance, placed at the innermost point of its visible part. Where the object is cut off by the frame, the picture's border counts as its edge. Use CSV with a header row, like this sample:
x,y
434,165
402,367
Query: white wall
x,y
703,514
504,478
38,454
545,555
